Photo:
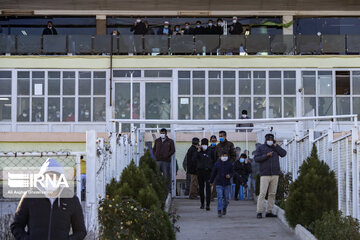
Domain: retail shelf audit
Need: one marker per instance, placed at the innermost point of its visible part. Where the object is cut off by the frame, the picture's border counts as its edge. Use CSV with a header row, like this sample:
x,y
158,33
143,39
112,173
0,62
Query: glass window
x,y
37,109
5,109
214,108
324,83
122,101
99,83
54,110
99,109
309,106
309,86
275,82
198,108
126,73
23,83
53,86
289,107
229,82
343,105
85,86
289,82
38,87
68,109
342,82
229,108
245,104
356,105
23,111
158,73
214,82
356,82
259,82
158,104
325,106
198,82
68,83
184,83
245,83
184,108
5,83
84,109
259,107
275,107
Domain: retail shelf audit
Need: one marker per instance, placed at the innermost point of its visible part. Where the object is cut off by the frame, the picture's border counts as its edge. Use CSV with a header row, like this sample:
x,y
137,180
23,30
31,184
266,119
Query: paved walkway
x,y
239,223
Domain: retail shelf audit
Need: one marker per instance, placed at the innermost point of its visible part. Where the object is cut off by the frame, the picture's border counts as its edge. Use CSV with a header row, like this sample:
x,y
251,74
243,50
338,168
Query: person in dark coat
x,y
139,28
163,150
236,28
244,115
222,172
165,30
219,28
225,146
188,30
204,164
50,29
242,170
177,30
210,28
198,30
47,212
191,168
212,148
267,155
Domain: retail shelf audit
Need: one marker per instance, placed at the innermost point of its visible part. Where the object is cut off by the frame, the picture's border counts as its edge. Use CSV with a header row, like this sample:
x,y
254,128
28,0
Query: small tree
x,y
312,194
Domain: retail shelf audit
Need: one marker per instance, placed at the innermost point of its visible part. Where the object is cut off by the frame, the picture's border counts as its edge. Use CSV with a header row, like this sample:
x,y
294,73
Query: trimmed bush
x,y
283,189
333,226
312,194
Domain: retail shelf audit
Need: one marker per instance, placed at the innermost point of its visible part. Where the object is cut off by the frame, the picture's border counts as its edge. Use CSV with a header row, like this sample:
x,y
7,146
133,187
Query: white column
x,y
78,176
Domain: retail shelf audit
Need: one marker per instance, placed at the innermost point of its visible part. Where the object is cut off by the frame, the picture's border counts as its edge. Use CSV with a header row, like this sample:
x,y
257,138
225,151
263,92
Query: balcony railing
x,y
180,44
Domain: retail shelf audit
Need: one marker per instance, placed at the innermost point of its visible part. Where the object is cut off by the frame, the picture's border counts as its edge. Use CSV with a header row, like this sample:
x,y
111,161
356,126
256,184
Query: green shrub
x,y
312,194
122,218
283,189
333,226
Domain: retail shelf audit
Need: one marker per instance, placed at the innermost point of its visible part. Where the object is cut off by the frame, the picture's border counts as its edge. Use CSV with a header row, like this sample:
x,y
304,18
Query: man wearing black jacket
x,y
191,168
204,163
242,170
139,28
236,28
50,216
267,155
50,30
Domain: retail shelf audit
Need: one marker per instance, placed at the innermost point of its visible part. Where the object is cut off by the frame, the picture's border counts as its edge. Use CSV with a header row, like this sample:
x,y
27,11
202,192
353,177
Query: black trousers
x,y
239,181
204,182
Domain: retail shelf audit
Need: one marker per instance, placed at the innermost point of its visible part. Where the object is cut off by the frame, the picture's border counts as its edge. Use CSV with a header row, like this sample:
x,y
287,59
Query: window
x,y
245,83
324,84
184,108
356,83
214,108
275,82
325,106
198,82
289,107
199,108
214,82
229,83
122,101
158,104
245,104
126,73
342,83
259,107
308,81
158,73
229,108
275,107
290,82
184,83
5,96
259,82
309,106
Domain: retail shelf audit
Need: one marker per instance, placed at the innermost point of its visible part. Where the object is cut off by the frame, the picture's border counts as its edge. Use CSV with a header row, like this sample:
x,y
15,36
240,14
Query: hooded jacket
x,y
269,165
190,161
220,170
46,219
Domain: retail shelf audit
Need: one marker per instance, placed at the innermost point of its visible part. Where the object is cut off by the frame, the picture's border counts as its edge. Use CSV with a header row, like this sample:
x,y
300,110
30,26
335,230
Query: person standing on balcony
x,y
188,29
219,28
210,28
267,155
198,30
165,30
244,115
139,28
236,28
50,29
163,150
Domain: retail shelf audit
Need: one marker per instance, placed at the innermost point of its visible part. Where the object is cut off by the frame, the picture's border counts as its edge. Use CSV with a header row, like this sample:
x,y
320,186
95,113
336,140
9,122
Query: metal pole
x,y
131,95
355,171
78,176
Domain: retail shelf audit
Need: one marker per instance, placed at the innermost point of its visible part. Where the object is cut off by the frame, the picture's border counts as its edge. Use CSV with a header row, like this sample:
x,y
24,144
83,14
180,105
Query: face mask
x,y
229,104
242,160
53,107
187,27
87,114
224,159
162,135
166,26
123,115
210,24
234,21
244,115
204,147
177,29
163,102
138,20
220,23
24,115
135,102
229,115
114,34
270,143
50,27
39,115
70,115
38,107
213,144
58,115
221,139
197,26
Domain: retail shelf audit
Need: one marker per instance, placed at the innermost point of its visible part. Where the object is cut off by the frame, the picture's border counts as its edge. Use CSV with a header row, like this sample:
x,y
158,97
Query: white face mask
x,y
224,159
244,115
138,20
270,143
204,147
234,20
162,135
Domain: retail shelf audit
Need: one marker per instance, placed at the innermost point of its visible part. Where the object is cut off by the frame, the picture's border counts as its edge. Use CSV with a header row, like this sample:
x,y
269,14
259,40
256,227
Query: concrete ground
x,y
239,223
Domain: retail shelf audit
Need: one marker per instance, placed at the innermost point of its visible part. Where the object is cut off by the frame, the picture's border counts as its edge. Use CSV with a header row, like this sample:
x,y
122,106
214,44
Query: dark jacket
x,y
163,150
190,161
269,165
161,31
139,28
38,215
48,31
210,30
199,30
242,170
213,153
220,170
237,28
204,160
244,125
189,31
228,147
219,30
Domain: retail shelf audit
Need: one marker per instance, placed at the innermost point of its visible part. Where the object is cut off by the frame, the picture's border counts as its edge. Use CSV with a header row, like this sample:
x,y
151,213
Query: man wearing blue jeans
x,y
222,172
164,148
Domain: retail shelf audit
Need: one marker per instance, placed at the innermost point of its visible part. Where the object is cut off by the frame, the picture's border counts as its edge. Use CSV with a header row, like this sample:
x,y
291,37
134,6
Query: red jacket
x,y
164,150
